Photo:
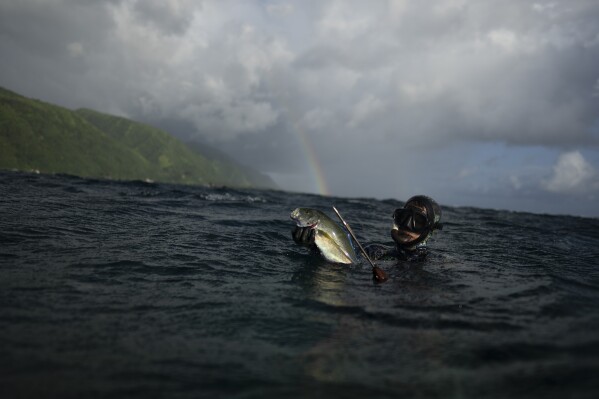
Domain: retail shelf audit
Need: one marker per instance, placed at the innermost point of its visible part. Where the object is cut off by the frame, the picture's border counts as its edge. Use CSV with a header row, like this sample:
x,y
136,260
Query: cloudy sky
x,y
481,103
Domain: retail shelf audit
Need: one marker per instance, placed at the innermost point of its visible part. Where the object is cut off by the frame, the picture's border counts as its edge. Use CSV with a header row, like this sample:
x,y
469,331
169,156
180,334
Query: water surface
x,y
130,289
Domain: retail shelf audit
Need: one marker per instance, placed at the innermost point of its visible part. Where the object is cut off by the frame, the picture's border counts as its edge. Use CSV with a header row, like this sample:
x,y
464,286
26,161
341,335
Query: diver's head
x,y
415,222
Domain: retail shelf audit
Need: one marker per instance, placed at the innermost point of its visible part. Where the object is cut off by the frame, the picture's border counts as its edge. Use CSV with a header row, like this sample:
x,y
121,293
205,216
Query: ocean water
x,y
137,290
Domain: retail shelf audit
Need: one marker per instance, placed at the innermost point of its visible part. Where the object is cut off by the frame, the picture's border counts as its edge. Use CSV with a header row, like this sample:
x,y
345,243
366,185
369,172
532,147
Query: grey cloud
x,y
46,28
572,174
170,17
393,82
496,77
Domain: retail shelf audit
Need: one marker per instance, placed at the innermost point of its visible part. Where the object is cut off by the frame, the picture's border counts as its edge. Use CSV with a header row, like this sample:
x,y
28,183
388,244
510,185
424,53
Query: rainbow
x,y
313,162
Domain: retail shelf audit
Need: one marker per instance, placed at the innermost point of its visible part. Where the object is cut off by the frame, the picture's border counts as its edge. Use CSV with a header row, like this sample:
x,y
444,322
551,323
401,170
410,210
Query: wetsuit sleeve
x,y
378,252
382,252
417,255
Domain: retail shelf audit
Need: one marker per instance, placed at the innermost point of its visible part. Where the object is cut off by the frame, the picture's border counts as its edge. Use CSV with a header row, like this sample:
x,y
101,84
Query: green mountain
x,y
35,135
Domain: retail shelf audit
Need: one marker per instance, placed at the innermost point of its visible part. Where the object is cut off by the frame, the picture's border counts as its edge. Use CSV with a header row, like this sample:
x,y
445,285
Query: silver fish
x,y
332,241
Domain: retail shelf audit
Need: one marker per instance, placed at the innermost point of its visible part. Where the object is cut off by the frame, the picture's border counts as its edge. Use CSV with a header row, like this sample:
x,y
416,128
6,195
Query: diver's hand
x,y
304,236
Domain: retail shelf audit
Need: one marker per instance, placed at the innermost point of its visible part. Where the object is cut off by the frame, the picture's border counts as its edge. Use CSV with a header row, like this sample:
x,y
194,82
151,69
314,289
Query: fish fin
x,y
330,250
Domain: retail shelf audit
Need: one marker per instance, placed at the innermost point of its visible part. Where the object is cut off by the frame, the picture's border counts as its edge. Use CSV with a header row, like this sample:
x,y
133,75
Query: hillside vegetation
x,y
35,135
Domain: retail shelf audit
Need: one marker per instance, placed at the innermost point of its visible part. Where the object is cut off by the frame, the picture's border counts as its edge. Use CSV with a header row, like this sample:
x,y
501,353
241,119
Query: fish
x,y
331,239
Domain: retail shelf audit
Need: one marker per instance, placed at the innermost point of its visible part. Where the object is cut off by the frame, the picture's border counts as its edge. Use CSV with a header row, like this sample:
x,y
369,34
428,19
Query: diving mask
x,y
411,219
414,223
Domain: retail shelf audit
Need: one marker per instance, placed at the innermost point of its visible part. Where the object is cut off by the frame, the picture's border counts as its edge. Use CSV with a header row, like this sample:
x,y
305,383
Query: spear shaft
x,y
378,274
